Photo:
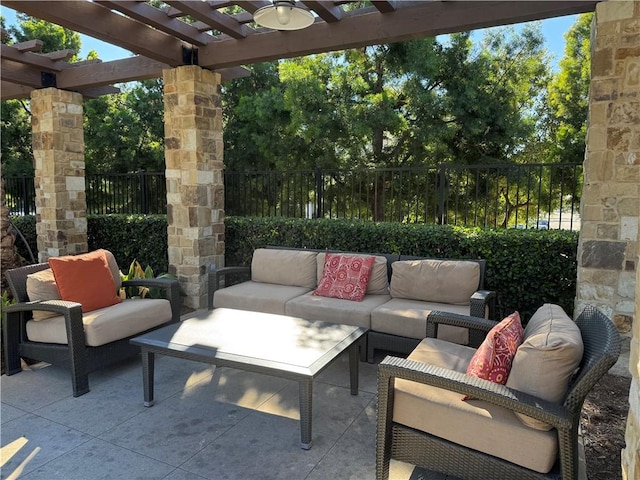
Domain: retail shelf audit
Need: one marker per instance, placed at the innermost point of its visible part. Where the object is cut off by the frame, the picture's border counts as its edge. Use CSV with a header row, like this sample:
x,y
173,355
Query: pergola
x,y
196,45
225,42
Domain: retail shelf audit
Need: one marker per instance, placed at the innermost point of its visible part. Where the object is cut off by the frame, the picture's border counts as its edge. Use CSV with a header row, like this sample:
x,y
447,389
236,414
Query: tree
x,y
15,117
568,96
125,132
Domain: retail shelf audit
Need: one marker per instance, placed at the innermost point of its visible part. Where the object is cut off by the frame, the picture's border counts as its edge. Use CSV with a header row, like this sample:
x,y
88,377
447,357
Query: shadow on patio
x,y
208,423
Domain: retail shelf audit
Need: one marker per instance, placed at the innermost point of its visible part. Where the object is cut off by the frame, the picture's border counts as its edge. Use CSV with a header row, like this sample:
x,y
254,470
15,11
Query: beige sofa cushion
x,y
443,281
336,310
378,280
257,297
408,318
549,355
42,286
296,268
475,424
107,324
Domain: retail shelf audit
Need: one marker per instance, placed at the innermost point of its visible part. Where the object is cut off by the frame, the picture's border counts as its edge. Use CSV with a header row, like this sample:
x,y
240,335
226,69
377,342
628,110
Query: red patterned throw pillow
x,y
492,360
345,276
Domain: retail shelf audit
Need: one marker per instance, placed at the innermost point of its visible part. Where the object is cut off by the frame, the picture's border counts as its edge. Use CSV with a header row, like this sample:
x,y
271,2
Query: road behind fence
x,y
497,196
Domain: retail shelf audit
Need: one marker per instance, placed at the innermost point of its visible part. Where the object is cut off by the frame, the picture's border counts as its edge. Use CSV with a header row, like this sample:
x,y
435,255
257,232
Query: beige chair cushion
x,y
113,266
346,312
408,318
378,280
475,424
107,324
296,268
256,296
42,286
443,281
548,357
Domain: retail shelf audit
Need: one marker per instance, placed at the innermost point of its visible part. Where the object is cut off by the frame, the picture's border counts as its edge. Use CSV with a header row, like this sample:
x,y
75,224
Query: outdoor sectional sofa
x,y
401,293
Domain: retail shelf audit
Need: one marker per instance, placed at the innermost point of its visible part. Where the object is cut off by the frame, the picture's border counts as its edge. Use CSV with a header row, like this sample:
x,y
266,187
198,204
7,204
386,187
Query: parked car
x,y
542,225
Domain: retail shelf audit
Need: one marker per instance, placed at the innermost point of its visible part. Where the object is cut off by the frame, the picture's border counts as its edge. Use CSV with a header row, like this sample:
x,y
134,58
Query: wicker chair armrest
x,y
478,327
481,301
61,307
551,413
216,275
72,312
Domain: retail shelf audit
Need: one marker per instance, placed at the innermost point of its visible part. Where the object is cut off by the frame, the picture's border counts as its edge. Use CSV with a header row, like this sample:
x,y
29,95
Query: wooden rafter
x,y
156,18
216,20
327,11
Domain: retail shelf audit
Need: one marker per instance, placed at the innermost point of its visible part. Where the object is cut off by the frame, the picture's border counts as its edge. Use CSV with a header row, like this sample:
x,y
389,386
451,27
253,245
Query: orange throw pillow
x,y
85,279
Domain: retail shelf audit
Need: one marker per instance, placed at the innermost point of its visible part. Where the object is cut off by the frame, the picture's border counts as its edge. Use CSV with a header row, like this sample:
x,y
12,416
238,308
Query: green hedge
x,y
128,237
525,267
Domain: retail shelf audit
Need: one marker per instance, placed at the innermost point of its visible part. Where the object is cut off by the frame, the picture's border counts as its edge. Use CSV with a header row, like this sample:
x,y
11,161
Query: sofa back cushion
x,y
549,355
378,279
296,268
443,281
113,267
42,286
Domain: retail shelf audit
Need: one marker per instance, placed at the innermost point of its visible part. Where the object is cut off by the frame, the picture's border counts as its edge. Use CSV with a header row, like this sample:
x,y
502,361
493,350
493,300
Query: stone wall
x,y
194,169
608,254
58,152
610,207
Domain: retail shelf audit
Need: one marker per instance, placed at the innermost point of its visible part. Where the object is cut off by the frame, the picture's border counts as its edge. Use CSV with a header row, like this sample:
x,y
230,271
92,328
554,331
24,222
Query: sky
x,y
553,30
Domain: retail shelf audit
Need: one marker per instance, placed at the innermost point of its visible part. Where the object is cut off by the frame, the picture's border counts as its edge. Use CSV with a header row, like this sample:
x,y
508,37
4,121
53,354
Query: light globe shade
x,y
283,15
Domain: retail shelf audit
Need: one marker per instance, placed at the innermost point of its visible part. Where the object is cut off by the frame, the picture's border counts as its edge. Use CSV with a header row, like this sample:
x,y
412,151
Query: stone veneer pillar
x,y
58,152
194,168
608,253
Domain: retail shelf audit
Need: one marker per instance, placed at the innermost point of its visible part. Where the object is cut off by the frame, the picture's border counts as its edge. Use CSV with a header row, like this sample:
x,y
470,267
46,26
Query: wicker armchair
x,y
395,440
75,354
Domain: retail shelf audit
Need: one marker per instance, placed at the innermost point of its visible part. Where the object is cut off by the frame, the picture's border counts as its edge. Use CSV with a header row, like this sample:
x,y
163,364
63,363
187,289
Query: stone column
x,y
194,167
608,253
58,152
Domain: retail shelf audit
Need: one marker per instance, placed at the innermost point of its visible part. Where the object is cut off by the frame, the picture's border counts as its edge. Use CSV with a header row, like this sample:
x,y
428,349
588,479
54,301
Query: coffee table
x,y
277,345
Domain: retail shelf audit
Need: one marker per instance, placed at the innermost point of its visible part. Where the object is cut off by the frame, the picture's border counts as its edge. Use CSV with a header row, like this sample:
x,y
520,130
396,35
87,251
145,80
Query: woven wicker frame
x,y
76,355
601,350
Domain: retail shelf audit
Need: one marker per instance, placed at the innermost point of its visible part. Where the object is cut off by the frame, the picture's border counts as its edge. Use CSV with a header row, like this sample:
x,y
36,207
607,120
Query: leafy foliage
x,y
125,132
131,237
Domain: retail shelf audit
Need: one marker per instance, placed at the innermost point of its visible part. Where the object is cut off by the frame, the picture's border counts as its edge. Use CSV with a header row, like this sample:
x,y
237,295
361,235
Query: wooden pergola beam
x,y
99,22
407,22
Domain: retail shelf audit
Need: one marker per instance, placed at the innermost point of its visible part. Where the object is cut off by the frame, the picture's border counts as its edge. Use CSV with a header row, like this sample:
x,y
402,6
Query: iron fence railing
x,y
520,196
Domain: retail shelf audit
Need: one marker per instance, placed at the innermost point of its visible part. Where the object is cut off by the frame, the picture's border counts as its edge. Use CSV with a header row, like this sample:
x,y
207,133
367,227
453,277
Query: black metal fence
x,y
520,196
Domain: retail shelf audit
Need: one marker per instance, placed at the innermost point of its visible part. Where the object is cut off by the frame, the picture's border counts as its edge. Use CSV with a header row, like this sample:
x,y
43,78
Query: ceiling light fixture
x,y
283,15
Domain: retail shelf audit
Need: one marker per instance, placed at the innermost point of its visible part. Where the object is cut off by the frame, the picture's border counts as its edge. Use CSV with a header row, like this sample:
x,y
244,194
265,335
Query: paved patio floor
x,y
207,423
